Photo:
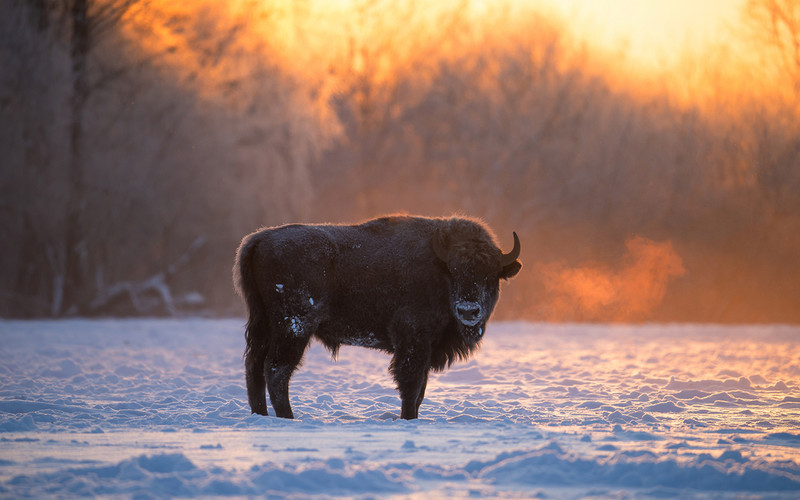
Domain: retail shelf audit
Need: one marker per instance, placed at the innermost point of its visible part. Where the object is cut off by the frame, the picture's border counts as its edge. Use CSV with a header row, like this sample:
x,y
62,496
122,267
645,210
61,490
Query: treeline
x,y
200,124
190,135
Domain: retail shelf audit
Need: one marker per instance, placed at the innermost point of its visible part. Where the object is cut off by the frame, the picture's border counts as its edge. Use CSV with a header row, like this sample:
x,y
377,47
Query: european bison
x,y
418,288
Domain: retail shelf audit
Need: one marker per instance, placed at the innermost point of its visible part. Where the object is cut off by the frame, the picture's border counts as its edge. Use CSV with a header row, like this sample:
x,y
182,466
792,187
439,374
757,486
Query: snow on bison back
x,y
421,289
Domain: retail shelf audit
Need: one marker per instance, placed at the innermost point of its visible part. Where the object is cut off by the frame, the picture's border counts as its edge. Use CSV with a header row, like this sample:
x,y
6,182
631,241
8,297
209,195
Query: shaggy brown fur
x,y
421,289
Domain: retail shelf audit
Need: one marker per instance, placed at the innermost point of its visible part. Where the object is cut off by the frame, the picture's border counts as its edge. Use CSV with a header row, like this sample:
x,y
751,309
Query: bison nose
x,y
468,312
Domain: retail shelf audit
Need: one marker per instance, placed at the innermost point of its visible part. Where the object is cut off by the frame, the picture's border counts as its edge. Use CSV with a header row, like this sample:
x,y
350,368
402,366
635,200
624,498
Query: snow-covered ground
x,y
152,408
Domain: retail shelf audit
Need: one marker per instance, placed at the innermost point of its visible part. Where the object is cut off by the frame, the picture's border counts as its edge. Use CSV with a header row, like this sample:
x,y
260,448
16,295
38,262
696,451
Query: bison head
x,y
474,267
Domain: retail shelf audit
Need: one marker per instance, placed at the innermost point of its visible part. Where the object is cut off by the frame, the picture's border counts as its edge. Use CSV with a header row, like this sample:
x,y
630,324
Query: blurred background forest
x,y
140,140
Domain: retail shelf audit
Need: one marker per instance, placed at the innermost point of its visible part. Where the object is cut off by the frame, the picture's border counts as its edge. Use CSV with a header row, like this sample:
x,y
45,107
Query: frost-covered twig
x,y
135,290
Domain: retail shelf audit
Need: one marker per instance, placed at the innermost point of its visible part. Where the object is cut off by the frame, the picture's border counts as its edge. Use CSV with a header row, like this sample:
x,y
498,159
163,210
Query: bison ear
x,y
439,244
510,270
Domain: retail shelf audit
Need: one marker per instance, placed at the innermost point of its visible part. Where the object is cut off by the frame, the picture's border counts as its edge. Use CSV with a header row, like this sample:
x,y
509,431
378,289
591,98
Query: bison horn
x,y
510,257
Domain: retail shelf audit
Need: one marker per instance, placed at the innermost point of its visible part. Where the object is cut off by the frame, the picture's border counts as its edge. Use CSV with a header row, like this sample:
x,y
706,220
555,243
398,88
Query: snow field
x,y
154,408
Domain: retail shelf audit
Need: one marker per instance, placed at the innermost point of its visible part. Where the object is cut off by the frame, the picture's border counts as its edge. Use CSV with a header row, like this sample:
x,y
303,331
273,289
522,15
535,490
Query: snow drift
x,y
158,408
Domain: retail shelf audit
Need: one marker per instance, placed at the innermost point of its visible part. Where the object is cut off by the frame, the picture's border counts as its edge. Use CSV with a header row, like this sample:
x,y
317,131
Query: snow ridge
x,y
158,408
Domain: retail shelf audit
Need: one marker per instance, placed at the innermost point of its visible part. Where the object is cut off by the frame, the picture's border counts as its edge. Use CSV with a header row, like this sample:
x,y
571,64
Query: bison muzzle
x,y
420,289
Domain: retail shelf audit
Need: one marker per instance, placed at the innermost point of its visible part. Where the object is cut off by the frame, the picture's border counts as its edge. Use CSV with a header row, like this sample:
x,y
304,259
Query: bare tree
x,y
775,26
32,138
89,21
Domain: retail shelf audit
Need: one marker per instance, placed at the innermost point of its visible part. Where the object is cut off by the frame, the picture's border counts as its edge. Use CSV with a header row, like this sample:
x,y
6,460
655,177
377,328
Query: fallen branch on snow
x,y
139,292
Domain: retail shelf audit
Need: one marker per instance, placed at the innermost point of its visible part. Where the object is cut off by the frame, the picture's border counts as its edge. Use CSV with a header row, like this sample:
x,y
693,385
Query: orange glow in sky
x,y
650,31
637,43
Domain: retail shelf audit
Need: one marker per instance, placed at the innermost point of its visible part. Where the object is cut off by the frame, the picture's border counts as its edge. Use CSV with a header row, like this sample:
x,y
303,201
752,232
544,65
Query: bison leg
x,y
281,365
422,392
254,356
256,383
410,370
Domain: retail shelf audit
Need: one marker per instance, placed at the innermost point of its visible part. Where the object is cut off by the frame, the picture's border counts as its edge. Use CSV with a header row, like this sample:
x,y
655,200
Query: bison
x,y
420,289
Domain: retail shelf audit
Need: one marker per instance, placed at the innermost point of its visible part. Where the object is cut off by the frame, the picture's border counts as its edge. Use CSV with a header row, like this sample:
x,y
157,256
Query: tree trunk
x,y
75,282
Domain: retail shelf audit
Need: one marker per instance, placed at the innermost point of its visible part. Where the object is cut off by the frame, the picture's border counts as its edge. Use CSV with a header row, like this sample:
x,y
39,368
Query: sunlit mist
x,y
584,127
598,292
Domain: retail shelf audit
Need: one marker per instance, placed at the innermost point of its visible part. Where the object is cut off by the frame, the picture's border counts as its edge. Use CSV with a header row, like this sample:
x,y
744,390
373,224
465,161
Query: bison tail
x,y
244,281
